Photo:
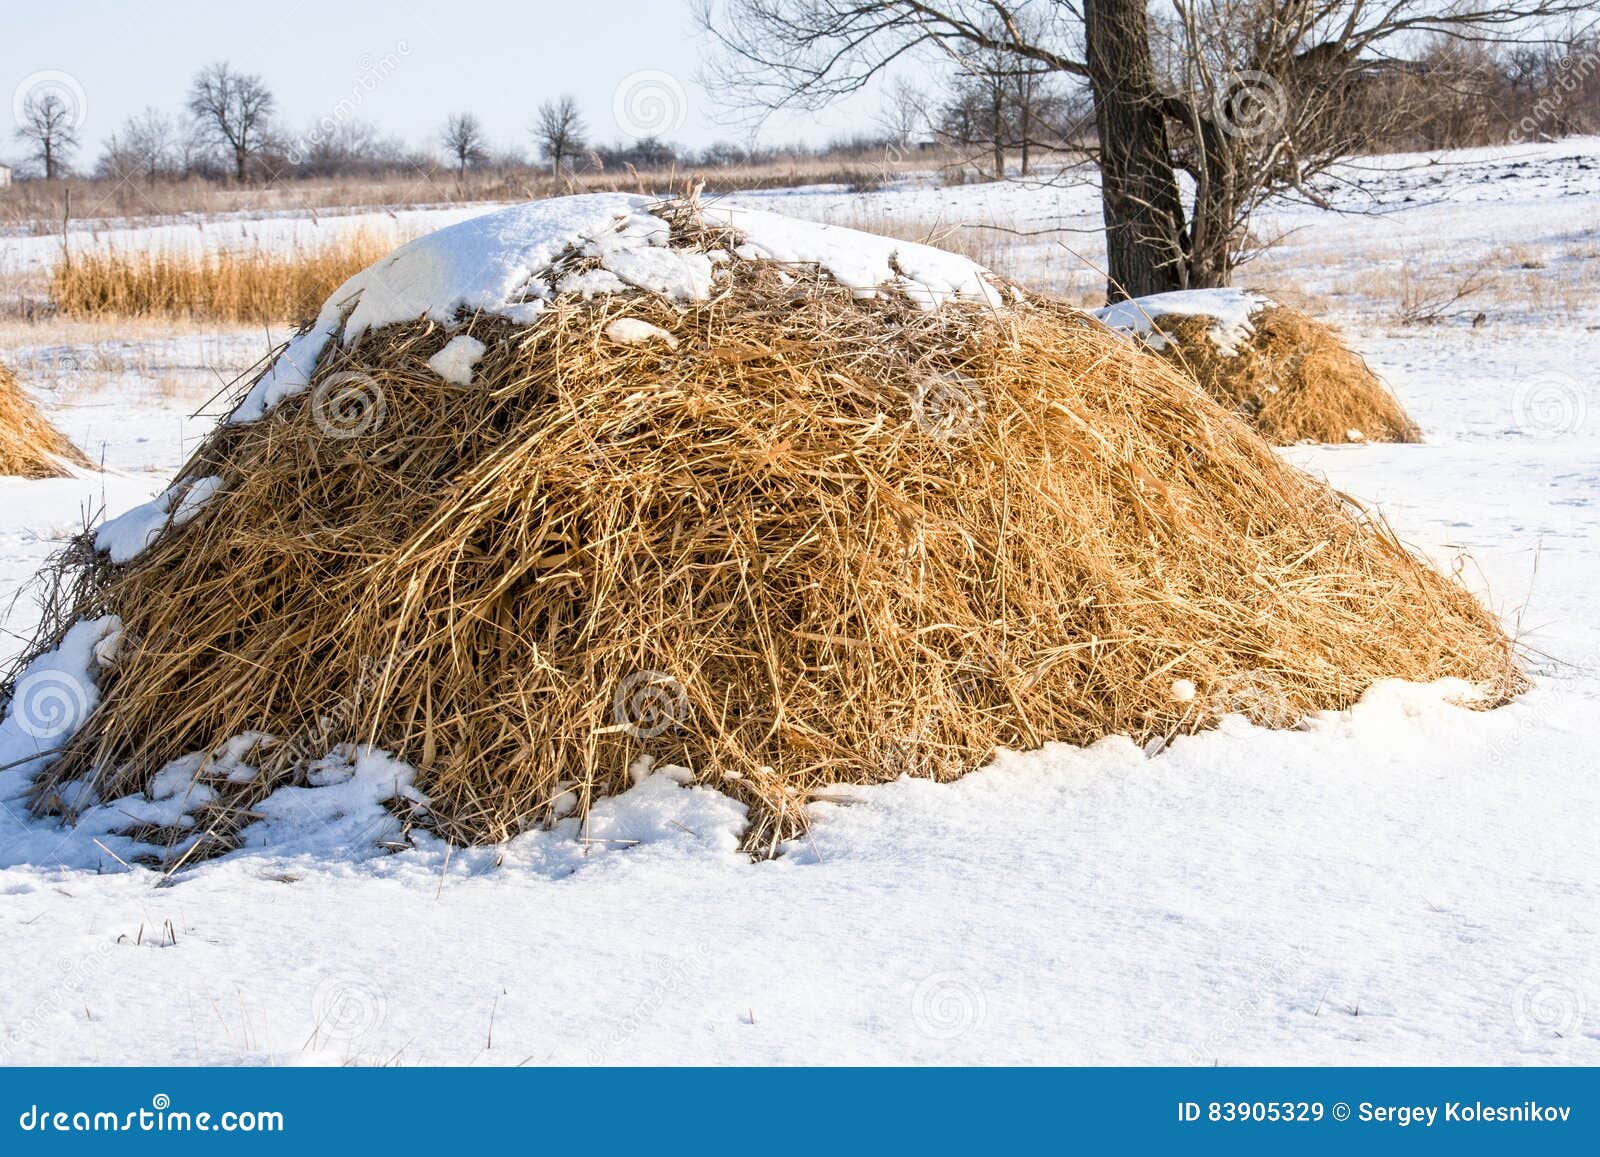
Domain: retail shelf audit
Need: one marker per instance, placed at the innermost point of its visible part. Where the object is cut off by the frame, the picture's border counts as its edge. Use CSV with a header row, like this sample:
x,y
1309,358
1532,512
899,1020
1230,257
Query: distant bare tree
x,y
559,131
904,115
49,126
146,144
464,140
235,110
191,146
1246,97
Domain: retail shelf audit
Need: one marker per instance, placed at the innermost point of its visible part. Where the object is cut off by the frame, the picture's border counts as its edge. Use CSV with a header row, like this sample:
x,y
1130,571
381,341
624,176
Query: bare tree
x,y
904,115
235,110
49,125
1246,102
559,131
191,147
146,144
985,88
464,140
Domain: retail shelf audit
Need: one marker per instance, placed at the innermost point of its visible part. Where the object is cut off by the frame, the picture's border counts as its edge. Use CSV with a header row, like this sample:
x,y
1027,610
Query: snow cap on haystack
x,y
1287,374
518,262
30,447
604,483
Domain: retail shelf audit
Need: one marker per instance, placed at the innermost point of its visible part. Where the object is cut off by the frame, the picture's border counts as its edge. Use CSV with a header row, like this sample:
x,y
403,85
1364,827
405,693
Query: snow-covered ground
x,y
1408,881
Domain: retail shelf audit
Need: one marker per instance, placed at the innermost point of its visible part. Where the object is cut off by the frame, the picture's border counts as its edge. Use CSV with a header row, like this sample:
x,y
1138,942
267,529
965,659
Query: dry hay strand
x,y
30,447
1293,379
821,540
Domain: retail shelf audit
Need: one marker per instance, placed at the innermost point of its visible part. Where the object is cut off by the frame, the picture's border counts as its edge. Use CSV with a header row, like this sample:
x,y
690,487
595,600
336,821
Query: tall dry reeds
x,y
252,285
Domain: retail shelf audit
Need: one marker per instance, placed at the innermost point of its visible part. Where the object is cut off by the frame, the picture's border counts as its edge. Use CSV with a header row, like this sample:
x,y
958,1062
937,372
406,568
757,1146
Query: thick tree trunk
x,y
1146,238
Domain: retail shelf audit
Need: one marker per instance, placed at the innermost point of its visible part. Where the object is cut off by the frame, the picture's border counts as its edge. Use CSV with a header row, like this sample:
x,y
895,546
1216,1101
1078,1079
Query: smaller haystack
x,y
30,447
1288,375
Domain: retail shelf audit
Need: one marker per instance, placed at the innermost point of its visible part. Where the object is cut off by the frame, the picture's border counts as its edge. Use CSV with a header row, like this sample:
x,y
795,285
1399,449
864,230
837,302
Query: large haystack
x,y
1289,376
599,478
30,447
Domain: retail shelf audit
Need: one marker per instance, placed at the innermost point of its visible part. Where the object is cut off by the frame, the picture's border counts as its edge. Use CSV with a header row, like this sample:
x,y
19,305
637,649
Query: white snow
x,y
866,262
127,536
454,363
1408,881
1229,309
52,698
634,331
290,373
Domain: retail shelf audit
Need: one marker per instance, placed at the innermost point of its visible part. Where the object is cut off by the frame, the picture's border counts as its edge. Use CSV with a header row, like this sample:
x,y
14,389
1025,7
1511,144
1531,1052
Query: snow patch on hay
x,y
1231,311
127,536
633,331
454,363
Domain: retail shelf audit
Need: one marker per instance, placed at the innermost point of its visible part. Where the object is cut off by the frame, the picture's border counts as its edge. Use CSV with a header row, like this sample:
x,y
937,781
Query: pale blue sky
x,y
402,64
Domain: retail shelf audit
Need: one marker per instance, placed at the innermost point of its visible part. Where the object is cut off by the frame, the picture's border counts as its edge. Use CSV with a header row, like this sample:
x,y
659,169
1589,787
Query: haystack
x,y
1288,375
30,447
788,506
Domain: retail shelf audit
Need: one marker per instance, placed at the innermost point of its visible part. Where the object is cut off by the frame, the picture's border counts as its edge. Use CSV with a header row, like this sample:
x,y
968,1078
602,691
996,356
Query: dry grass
x,y
993,247
1294,380
37,207
30,447
838,540
224,285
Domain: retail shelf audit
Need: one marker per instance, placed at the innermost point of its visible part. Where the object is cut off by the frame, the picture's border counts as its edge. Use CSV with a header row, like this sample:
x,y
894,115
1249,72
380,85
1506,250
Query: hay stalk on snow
x,y
1288,375
813,538
30,447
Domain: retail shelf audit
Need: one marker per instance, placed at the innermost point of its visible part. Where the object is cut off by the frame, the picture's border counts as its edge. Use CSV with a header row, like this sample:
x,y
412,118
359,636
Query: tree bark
x,y
1025,118
1211,231
1146,237
997,126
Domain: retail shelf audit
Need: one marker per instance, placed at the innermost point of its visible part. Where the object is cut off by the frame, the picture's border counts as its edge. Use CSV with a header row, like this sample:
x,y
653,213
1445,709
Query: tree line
x,y
229,129
998,109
